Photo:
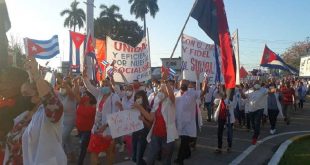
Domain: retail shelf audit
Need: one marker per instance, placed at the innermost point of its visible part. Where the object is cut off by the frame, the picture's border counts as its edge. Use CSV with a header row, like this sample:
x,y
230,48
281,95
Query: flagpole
x,y
189,15
26,47
148,40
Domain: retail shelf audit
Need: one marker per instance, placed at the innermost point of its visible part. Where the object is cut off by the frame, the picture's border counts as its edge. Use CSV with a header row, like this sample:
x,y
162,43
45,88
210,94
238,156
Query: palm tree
x,y
76,16
141,7
111,16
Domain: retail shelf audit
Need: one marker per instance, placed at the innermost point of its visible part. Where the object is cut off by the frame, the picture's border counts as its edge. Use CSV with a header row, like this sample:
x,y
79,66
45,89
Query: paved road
x,y
242,151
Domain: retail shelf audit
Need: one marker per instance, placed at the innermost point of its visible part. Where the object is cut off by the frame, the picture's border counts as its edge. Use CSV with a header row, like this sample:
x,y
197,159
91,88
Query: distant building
x,y
64,68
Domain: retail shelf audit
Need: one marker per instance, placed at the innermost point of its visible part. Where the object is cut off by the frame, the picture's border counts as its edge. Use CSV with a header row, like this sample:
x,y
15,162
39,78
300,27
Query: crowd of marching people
x,y
37,119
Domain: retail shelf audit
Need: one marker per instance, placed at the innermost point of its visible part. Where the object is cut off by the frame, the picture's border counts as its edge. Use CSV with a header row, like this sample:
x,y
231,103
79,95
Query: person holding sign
x,y
101,140
186,115
139,137
163,132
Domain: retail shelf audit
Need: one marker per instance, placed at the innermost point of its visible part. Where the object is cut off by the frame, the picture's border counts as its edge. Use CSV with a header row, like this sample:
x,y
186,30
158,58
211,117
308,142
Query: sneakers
x,y
254,141
272,131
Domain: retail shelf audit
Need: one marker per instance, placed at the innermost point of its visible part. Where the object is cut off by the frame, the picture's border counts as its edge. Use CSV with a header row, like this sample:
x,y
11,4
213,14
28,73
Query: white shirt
x,y
69,106
186,112
210,94
127,103
42,142
258,99
168,112
109,107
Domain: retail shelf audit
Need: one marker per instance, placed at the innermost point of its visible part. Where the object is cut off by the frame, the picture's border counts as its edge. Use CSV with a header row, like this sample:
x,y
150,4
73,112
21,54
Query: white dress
x,y
42,141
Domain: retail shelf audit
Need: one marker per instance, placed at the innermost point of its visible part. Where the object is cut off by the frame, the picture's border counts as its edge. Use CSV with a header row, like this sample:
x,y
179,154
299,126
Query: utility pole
x,y
90,17
90,29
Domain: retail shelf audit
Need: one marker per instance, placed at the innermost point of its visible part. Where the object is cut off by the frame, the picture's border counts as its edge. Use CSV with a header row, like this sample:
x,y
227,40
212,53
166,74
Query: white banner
x,y
134,62
197,55
304,70
124,122
235,43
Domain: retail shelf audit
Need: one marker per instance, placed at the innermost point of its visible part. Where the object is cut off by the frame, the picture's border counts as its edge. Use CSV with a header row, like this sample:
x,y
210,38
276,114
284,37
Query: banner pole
x,y
189,15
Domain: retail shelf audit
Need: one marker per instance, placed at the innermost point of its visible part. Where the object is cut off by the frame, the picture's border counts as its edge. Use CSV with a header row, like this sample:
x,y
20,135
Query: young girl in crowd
x,y
139,137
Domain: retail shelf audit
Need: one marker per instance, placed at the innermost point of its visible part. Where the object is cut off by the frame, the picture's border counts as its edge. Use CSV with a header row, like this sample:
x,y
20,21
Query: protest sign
x,y
134,62
124,122
197,55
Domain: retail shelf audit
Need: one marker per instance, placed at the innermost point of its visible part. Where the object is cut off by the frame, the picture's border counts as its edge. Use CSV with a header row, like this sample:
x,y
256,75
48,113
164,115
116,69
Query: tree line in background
x,y
293,54
111,23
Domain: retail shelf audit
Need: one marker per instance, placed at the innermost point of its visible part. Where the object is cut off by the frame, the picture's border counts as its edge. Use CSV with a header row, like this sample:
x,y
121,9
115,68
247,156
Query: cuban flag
x,y
172,72
105,63
42,49
212,19
77,45
111,71
273,61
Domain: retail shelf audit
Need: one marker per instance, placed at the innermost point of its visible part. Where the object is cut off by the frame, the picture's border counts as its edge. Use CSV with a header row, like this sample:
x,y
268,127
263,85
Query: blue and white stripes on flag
x,y
105,63
111,71
172,72
42,49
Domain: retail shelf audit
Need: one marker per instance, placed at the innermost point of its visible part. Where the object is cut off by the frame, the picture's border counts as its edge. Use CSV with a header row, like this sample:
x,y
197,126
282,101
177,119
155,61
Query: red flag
x,y
268,56
243,73
227,52
90,49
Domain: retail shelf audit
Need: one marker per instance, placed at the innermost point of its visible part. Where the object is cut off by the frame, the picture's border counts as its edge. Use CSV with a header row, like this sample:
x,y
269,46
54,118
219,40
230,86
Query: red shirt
x,y
160,124
287,94
85,115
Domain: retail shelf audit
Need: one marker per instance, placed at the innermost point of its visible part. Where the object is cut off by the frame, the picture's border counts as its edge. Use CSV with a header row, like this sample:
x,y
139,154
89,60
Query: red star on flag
x,y
34,49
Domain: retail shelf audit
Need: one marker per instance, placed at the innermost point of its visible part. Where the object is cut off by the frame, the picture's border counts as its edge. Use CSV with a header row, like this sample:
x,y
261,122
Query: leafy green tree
x,y
76,16
111,23
110,17
140,8
293,54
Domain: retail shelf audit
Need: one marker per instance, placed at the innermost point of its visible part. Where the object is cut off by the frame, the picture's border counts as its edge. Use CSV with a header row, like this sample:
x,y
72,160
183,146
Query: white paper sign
x,y
197,55
134,62
124,122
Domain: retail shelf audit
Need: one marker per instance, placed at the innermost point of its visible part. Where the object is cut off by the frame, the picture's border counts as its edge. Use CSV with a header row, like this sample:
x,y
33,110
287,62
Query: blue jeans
x,y
66,137
157,144
256,118
84,138
138,146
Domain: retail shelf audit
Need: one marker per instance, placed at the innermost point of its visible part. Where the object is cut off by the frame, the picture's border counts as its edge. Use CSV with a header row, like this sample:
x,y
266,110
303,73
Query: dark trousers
x,y
138,145
301,104
273,114
156,145
184,150
248,121
210,110
256,118
220,130
241,117
84,138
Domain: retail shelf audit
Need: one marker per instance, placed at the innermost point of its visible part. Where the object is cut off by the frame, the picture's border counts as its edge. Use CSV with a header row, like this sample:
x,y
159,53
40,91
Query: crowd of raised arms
x,y
37,119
